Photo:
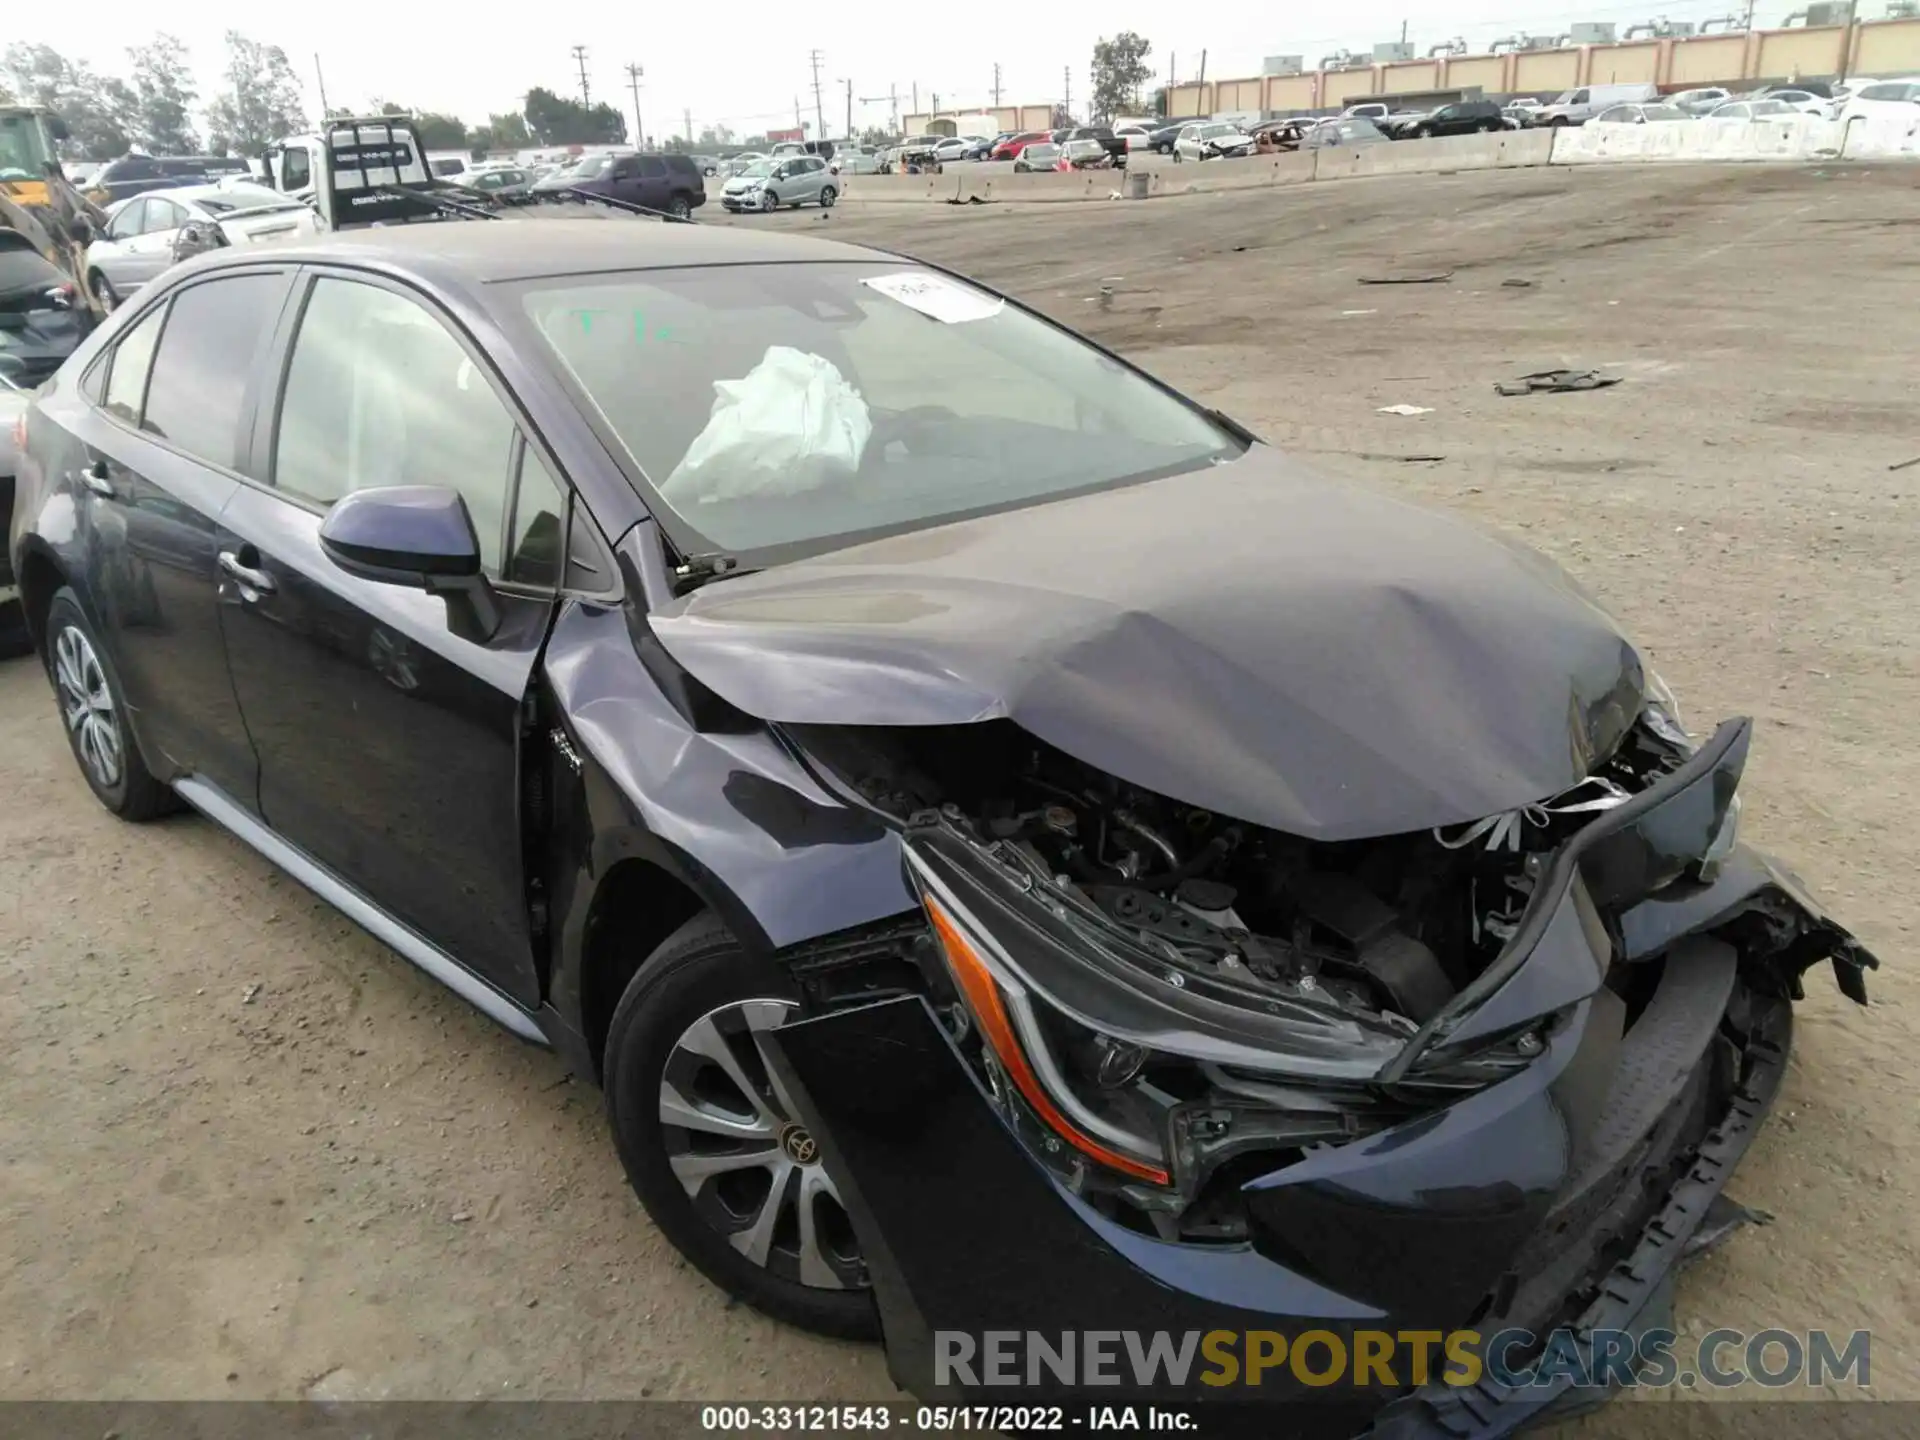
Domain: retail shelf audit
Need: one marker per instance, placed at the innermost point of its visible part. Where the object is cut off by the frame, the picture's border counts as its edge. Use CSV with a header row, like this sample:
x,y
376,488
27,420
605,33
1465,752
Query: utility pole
x,y
892,97
849,131
996,84
320,75
580,57
1066,80
686,119
634,72
798,123
1403,32
916,97
819,112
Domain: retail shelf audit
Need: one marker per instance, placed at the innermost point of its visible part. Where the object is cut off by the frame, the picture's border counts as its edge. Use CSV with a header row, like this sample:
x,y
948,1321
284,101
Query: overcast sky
x,y
745,65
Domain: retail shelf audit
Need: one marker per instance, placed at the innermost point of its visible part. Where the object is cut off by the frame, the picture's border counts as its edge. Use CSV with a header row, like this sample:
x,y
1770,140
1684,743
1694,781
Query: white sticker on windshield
x,y
937,296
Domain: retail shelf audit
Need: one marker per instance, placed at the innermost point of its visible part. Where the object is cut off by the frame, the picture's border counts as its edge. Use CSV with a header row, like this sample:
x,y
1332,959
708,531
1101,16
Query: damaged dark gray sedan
x,y
1016,851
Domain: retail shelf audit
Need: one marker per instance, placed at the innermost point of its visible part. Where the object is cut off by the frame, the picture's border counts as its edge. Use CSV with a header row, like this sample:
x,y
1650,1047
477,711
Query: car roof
x,y
494,251
213,192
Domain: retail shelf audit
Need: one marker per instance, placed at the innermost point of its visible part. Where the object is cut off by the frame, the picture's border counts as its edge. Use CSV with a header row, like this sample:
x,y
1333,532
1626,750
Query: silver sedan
x,y
142,232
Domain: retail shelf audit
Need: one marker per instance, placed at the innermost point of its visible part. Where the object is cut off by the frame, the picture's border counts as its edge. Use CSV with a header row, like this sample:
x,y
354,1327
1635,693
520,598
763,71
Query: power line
x,y
580,57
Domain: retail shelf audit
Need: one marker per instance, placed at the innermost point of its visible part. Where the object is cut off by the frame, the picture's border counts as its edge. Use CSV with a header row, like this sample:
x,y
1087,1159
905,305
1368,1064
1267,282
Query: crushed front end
x,y
1169,1072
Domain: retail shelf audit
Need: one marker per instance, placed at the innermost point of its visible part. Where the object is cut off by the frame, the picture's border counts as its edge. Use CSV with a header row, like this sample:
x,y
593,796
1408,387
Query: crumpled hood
x,y
1291,650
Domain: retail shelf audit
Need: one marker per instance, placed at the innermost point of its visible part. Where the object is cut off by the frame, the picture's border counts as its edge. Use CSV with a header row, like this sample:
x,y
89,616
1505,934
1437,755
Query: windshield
x,y
591,167
758,170
774,405
23,150
1207,132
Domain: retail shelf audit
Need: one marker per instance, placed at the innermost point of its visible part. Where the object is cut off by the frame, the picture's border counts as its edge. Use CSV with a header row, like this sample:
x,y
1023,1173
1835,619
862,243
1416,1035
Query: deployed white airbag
x,y
790,425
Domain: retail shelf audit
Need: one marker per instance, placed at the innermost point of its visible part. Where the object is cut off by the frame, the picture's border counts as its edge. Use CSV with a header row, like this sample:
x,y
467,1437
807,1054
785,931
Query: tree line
x,y
156,105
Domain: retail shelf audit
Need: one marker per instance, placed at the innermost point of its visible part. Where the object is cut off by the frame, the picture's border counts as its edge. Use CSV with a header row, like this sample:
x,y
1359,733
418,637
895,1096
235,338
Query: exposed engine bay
x,y
1355,942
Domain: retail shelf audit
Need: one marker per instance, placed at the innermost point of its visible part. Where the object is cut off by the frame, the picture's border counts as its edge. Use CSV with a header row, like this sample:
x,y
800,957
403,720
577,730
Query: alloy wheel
x,y
86,702
680,209
104,293
827,196
750,1168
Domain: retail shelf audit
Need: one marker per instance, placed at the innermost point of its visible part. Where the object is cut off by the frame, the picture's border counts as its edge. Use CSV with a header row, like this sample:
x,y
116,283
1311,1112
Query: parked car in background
x,y
1465,117
1576,107
1010,148
42,316
1162,141
143,234
738,164
1638,114
1115,147
137,174
553,185
670,184
1087,154
953,149
1375,110
1138,137
1278,135
507,184
1037,155
1803,100
792,180
1750,110
1894,98
1525,108
1212,140
855,160
978,147
1344,130
1700,100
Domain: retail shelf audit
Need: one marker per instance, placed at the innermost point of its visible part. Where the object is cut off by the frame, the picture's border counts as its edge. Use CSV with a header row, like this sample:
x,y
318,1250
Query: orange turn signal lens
x,y
990,1011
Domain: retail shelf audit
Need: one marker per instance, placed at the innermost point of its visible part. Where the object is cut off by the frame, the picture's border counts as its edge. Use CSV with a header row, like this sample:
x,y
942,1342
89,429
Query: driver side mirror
x,y
57,128
420,536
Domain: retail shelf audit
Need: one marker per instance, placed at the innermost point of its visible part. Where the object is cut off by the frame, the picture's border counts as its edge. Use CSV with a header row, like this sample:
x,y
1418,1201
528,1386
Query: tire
x,y
93,710
680,208
767,203
827,196
701,988
107,297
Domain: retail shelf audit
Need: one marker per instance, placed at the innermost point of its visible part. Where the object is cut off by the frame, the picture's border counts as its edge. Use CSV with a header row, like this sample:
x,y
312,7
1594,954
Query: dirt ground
x,y
351,1185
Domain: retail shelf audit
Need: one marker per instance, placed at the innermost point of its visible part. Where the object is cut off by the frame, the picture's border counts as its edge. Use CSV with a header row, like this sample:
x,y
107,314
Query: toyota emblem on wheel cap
x,y
799,1145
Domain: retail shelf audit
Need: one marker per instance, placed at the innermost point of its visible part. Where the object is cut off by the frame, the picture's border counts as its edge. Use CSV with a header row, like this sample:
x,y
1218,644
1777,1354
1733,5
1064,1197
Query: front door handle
x,y
258,581
95,477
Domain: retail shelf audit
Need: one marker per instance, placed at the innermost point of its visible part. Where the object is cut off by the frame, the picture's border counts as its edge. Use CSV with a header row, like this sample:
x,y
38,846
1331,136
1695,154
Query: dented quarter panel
x,y
1303,653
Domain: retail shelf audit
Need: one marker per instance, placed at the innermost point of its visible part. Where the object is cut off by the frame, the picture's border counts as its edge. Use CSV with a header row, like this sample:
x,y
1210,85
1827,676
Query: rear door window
x,y
206,358
132,360
652,167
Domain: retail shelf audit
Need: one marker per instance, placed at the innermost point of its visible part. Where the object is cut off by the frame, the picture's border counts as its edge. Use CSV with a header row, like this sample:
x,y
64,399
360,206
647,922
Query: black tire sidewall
x,y
698,970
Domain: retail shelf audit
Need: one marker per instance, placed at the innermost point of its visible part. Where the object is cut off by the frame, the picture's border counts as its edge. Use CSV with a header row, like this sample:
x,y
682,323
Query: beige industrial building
x,y
1874,47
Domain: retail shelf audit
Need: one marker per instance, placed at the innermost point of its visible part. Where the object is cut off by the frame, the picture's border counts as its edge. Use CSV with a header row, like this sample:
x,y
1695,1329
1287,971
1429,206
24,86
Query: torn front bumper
x,y
1564,1195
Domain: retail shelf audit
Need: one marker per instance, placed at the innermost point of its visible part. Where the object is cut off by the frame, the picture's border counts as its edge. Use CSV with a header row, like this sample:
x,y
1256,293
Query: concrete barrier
x,y
1525,147
1409,157
1254,173
1040,186
1890,136
901,189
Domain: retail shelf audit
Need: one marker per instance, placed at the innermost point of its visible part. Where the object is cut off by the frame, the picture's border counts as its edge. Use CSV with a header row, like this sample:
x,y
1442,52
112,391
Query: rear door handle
x,y
258,581
96,478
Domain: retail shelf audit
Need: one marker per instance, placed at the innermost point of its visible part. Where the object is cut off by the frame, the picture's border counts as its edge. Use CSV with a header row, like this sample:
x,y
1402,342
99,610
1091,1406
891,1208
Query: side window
x,y
379,393
206,358
1579,97
132,359
162,216
652,167
127,220
538,544
296,170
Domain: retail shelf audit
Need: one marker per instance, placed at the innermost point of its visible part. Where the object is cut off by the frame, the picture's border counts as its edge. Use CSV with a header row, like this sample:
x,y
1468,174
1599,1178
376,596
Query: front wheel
x,y
93,709
104,294
711,1141
767,202
827,196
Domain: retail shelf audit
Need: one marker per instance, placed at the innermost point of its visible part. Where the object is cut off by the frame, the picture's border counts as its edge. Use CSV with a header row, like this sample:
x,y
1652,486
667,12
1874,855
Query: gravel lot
x,y
351,1185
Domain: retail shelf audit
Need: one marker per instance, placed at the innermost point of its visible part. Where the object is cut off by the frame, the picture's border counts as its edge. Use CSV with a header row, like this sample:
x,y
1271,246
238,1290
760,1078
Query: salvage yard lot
x,y
345,1183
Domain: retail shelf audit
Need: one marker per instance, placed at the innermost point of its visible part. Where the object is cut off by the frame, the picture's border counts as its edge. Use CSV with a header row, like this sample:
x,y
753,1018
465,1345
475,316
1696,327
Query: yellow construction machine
x,y
37,201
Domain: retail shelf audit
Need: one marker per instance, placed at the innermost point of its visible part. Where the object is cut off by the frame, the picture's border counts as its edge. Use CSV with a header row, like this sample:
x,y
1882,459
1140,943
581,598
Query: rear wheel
x,y
680,208
712,1144
93,710
104,294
